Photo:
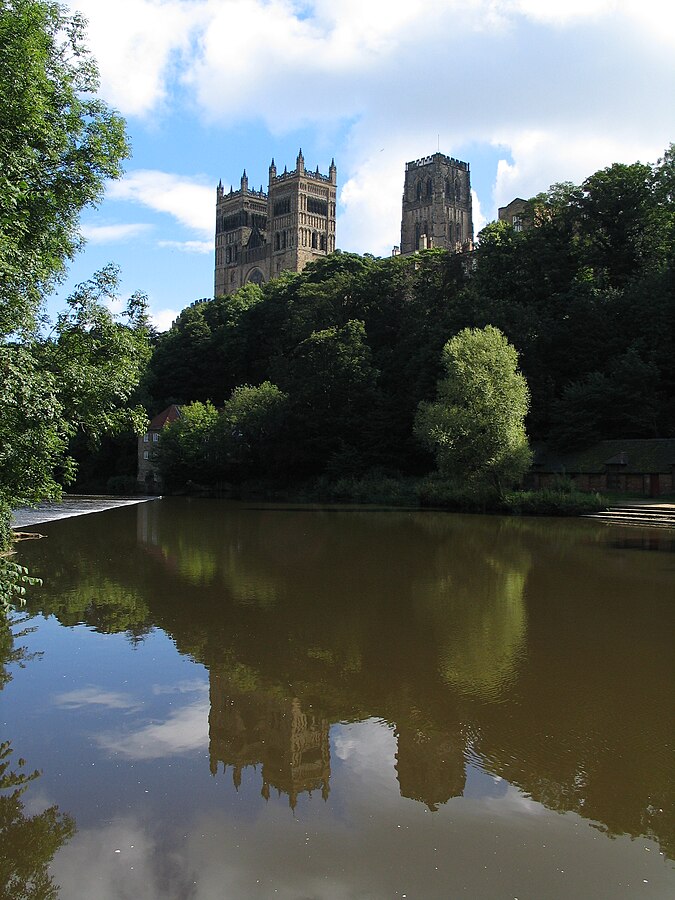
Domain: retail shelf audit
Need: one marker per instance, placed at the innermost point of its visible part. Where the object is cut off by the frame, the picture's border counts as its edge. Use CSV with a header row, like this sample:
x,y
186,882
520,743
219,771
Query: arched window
x,y
283,240
228,255
255,276
448,190
458,190
430,188
418,235
277,244
323,242
418,190
458,232
314,241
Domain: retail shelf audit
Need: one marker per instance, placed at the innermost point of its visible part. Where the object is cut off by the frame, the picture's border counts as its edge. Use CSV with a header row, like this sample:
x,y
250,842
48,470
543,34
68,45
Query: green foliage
x,y
374,487
621,403
585,295
99,358
442,493
331,383
33,431
189,450
475,426
29,842
76,381
58,144
14,579
251,421
552,502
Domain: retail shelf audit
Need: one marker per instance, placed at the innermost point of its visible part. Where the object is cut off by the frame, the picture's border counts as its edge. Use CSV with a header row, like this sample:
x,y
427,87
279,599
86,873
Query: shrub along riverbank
x,y
431,492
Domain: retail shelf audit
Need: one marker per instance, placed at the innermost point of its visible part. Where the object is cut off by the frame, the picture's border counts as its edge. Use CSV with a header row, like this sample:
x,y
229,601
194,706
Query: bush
x,y
552,503
122,484
442,493
375,488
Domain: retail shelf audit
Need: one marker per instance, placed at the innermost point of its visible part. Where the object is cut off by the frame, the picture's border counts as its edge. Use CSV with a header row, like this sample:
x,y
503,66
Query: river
x,y
230,700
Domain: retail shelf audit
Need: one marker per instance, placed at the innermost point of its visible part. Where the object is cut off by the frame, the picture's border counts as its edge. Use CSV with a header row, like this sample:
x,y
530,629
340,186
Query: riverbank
x,y
430,492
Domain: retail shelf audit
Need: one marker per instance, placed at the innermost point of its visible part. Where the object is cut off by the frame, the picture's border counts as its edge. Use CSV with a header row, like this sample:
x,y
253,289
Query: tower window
x,y
430,188
418,191
318,207
323,242
282,207
314,241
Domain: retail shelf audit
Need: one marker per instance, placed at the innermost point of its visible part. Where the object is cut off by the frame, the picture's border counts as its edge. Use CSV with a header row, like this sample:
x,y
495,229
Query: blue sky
x,y
529,92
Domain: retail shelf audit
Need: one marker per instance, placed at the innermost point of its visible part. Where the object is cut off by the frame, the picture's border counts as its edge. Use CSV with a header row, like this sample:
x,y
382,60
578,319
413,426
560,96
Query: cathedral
x,y
260,234
436,205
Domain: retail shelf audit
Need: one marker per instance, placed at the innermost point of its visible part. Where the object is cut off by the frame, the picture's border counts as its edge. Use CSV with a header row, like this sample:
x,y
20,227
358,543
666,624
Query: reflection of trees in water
x,y
27,842
423,620
480,619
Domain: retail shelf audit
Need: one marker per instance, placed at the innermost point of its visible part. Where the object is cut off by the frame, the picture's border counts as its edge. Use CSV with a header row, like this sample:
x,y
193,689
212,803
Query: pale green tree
x,y
475,426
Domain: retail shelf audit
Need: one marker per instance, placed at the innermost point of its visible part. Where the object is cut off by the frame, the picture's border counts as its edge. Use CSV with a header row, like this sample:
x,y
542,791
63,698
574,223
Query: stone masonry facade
x,y
436,205
261,234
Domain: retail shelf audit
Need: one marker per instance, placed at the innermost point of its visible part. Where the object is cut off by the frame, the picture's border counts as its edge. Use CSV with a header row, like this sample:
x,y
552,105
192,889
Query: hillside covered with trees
x,y
337,359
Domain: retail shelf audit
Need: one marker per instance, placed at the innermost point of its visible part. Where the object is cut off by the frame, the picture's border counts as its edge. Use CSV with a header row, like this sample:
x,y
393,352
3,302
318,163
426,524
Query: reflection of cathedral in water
x,y
429,766
252,728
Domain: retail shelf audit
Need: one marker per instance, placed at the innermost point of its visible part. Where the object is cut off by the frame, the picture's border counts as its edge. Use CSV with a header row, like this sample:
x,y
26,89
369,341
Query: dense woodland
x,y
346,350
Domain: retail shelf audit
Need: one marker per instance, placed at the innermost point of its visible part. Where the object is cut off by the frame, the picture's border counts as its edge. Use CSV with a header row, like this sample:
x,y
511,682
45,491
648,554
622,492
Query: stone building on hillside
x,y
148,443
436,205
517,213
261,234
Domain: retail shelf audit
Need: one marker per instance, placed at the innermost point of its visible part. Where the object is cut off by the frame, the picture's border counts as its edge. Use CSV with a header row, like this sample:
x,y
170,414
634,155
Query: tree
x,y
79,379
190,448
475,425
58,144
332,386
251,421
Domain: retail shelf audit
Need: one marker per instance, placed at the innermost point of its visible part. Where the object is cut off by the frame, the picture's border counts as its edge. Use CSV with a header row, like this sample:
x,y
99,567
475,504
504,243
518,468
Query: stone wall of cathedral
x,y
436,205
261,234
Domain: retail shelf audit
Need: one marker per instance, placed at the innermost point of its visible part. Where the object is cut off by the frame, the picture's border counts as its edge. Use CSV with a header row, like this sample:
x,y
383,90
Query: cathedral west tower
x,y
259,235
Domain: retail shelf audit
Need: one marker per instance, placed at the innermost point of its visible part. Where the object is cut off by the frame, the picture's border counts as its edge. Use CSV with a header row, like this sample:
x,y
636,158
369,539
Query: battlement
x,y
436,157
241,193
315,176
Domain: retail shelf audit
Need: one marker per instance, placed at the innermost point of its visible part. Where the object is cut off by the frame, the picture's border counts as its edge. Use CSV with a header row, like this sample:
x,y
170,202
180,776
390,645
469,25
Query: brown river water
x,y
258,701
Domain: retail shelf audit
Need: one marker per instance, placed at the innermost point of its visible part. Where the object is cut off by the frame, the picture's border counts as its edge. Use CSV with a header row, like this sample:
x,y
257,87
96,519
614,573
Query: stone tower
x,y
259,235
436,205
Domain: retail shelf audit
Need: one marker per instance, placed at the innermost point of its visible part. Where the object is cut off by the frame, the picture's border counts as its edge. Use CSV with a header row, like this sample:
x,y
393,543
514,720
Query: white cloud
x,y
135,43
163,319
106,234
185,731
564,86
188,246
189,200
94,696
540,159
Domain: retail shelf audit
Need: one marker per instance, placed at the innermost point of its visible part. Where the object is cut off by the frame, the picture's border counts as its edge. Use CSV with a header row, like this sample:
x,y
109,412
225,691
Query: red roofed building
x,y
148,477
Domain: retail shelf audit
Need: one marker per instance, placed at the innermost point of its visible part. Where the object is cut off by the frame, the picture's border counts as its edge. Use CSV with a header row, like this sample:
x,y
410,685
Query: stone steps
x,y
647,515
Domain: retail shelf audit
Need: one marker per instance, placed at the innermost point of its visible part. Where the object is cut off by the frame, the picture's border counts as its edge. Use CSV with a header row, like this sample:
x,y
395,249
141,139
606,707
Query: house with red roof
x,y
148,443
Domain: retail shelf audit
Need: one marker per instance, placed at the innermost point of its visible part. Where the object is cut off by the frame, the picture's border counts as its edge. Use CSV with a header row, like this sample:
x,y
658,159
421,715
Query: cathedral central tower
x,y
436,205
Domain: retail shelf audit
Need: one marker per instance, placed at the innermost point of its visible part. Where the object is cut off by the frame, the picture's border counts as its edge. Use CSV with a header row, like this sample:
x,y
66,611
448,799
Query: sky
x,y
529,92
